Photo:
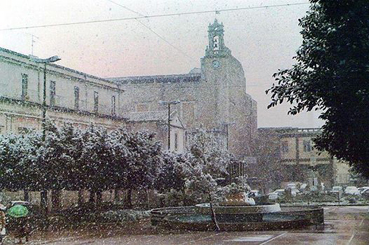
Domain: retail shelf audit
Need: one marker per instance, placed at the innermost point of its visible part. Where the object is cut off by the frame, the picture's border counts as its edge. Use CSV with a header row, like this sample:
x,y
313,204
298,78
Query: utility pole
x,y
169,103
168,126
226,124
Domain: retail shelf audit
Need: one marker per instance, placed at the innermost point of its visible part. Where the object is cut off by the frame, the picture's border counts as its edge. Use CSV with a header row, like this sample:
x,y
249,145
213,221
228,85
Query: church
x,y
213,97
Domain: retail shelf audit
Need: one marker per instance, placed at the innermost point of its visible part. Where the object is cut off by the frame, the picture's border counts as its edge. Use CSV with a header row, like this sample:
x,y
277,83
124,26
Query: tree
x,y
141,164
267,170
171,173
97,157
331,74
19,168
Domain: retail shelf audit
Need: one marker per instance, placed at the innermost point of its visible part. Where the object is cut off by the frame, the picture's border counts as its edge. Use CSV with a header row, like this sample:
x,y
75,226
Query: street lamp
x,y
45,62
169,103
43,125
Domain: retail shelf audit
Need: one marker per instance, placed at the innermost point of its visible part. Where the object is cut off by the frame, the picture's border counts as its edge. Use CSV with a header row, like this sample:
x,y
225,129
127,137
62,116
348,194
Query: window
x,y
76,98
52,92
307,145
285,146
216,42
113,105
24,86
176,142
96,101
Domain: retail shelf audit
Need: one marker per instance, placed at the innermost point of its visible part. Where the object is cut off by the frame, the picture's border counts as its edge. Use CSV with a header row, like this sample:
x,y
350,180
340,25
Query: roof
x,y
57,66
190,77
148,116
290,131
156,116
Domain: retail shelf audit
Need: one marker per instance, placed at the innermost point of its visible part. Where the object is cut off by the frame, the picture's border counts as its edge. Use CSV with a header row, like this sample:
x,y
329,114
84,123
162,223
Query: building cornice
x,y
86,78
60,109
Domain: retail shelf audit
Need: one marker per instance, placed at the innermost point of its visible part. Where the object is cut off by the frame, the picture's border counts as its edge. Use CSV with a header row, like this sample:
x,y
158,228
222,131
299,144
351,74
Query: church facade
x,y
213,97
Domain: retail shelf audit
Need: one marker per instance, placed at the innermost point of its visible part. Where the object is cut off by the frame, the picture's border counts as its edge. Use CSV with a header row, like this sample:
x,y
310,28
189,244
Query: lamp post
x,y
169,103
45,62
43,125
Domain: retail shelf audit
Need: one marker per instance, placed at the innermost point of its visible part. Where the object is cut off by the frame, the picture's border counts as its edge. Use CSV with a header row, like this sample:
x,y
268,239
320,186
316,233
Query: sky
x,y
262,39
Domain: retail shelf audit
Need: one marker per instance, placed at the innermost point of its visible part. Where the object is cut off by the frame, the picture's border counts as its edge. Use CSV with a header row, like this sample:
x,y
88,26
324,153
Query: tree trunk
x,y
128,199
116,195
80,197
92,196
213,215
98,198
55,199
44,201
26,195
148,198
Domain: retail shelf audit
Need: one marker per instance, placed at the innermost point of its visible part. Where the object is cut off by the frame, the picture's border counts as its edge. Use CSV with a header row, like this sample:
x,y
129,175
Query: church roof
x,y
156,116
148,116
190,77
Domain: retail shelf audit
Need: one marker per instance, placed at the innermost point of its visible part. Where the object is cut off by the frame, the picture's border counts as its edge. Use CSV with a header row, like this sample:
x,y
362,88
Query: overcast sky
x,y
263,40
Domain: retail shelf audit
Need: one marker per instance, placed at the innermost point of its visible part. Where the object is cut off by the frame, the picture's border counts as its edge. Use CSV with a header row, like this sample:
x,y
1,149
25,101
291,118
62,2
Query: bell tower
x,y
216,47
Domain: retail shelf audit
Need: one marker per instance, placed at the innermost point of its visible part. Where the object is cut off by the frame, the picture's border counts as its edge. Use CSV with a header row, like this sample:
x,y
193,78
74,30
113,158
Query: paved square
x,y
343,225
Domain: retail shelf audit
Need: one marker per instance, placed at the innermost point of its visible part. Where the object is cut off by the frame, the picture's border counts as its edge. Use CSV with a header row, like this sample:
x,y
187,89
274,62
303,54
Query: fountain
x,y
237,213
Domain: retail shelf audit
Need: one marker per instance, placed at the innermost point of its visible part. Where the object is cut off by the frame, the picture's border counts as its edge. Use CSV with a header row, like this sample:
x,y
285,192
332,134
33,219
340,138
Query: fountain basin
x,y
199,218
238,213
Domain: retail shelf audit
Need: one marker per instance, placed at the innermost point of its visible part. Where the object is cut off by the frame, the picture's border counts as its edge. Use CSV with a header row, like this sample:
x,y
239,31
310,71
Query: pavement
x,y
343,225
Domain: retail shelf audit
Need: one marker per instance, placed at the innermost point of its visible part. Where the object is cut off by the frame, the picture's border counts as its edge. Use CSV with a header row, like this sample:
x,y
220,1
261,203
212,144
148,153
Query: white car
x,y
291,186
337,189
352,190
280,192
362,189
276,194
273,196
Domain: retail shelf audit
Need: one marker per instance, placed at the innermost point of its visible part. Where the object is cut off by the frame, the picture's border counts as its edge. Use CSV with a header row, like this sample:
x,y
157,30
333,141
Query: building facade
x,y
157,121
303,163
213,97
71,96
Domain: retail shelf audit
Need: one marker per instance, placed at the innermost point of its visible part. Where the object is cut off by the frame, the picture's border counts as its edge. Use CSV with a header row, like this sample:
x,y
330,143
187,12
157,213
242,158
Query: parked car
x,y
276,194
352,190
293,188
255,193
280,192
337,189
362,189
365,193
273,196
303,187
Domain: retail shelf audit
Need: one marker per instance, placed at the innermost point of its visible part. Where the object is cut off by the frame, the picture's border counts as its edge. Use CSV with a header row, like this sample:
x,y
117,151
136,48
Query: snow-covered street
x,y
343,225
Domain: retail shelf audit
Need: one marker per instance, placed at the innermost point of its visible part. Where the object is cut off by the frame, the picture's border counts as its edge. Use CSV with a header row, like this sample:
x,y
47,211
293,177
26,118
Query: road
x,y
343,225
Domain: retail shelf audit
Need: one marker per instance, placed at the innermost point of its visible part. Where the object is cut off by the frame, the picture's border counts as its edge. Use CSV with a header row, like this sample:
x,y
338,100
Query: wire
x,y
162,38
151,16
